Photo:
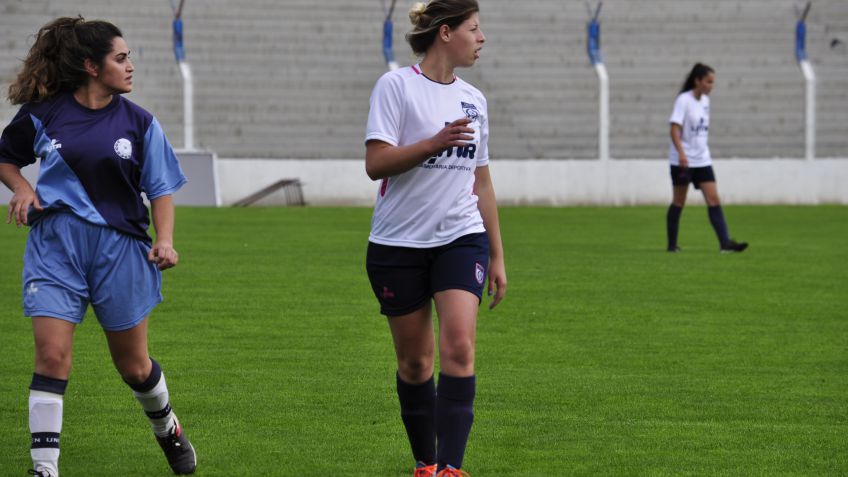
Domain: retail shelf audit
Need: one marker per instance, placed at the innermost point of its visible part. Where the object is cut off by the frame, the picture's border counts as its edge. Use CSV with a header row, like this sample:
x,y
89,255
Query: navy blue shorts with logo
x,y
404,279
695,175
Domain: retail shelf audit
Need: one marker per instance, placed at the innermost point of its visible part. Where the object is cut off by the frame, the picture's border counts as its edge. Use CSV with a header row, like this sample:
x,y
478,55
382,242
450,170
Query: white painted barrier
x,y
558,182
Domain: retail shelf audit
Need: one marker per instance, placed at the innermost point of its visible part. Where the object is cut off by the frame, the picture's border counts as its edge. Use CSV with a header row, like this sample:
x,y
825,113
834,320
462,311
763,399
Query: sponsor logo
x,y
123,148
463,152
700,128
479,273
470,111
54,144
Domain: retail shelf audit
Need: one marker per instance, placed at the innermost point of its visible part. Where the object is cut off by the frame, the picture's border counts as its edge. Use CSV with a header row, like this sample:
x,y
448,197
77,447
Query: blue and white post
x,y
810,81
593,46
388,49
185,71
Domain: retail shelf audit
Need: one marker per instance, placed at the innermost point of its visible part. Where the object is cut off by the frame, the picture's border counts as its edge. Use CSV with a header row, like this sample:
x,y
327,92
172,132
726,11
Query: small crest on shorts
x,y
123,148
479,273
470,111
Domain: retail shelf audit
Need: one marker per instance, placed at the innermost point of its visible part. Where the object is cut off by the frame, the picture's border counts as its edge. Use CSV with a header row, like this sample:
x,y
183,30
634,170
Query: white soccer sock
x,y
156,404
45,424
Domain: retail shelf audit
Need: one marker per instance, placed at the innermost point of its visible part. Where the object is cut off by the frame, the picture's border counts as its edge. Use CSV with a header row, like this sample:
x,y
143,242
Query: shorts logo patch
x,y
123,148
32,289
470,111
388,293
479,273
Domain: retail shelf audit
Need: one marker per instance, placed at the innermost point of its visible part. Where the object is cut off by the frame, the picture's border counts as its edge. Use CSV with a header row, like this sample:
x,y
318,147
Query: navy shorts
x,y
404,279
695,175
70,263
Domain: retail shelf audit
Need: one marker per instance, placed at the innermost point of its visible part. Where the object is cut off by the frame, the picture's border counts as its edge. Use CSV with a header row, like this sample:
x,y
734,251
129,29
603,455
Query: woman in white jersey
x,y
434,233
690,158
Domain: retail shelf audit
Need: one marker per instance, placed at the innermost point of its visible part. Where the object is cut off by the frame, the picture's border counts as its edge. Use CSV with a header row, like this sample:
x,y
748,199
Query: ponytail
x,y
698,71
56,61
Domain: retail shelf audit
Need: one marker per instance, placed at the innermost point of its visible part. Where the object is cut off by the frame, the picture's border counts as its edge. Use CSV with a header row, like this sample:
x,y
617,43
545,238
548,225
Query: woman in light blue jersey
x,y
88,242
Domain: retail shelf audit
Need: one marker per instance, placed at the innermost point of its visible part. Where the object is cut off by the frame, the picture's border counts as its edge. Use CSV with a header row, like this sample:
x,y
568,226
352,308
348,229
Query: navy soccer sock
x,y
418,411
672,221
719,225
454,415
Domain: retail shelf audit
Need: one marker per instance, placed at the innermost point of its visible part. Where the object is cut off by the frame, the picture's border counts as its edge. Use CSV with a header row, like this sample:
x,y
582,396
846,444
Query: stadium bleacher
x,y
291,79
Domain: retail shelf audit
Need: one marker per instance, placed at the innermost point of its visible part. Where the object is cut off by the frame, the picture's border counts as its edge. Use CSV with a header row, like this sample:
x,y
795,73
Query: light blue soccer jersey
x,y
94,163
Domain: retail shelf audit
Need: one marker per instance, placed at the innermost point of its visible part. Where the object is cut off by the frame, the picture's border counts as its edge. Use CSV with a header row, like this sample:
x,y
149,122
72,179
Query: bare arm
x,y
162,253
384,160
676,132
23,194
489,211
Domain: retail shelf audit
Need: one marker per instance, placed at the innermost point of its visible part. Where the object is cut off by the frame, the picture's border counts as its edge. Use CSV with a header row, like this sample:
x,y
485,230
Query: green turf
x,y
608,356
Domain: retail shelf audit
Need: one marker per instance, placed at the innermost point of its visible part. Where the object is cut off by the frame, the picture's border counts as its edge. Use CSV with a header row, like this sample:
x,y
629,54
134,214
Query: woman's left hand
x,y
497,281
163,255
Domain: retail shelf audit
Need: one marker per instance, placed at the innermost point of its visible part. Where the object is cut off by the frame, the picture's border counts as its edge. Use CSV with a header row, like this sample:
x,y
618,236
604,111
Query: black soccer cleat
x,y
732,246
39,473
178,451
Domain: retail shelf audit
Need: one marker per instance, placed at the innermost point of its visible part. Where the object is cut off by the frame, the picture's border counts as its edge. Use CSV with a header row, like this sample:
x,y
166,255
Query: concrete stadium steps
x,y
291,78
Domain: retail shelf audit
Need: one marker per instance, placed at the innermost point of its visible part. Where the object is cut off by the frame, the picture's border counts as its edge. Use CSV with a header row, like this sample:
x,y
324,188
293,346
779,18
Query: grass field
x,y
607,357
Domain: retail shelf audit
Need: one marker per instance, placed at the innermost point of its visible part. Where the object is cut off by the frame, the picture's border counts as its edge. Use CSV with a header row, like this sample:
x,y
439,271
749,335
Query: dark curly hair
x,y
56,61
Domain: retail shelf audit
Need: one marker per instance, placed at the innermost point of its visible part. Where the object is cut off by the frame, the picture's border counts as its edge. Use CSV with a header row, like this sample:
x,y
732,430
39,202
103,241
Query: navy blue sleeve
x,y
18,139
161,173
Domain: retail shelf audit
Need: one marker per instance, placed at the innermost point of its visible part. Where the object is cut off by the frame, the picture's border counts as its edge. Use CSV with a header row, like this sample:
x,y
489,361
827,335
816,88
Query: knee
x,y
416,369
135,372
458,353
53,361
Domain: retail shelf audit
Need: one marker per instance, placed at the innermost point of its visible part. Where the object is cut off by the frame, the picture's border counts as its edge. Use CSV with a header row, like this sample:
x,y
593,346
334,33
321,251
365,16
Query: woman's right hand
x,y
684,163
23,197
455,134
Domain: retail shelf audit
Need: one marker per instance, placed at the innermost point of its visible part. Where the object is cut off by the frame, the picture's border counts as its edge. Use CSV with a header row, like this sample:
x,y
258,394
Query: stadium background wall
x,y
281,90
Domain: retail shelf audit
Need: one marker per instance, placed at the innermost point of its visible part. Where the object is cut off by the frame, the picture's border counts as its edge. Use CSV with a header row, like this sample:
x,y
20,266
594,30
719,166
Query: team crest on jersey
x,y
470,111
479,273
123,148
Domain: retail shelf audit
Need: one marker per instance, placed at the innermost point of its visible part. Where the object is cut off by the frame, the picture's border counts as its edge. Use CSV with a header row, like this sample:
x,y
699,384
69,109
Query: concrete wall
x,y
558,182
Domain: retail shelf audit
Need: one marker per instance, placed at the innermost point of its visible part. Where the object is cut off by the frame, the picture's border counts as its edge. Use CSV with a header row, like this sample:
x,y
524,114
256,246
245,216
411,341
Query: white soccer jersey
x,y
434,203
694,118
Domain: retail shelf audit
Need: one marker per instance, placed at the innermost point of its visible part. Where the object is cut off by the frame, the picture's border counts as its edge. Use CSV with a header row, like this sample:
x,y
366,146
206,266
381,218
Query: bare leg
x,y
129,353
457,310
414,341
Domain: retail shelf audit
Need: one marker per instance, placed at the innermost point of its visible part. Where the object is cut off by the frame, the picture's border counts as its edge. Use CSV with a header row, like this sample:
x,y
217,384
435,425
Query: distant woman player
x,y
88,243
690,158
435,232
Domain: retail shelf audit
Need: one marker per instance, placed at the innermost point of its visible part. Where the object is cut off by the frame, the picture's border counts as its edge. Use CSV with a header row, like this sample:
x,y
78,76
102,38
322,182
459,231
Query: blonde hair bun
x,y
416,12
